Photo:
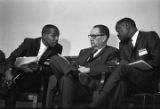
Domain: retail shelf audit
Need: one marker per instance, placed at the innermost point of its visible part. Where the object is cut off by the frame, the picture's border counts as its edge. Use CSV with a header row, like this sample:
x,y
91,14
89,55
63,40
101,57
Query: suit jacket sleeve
x,y
20,51
107,67
154,50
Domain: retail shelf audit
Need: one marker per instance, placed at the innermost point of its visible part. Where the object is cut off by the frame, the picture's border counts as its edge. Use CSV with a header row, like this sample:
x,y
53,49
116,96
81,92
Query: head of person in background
x,y
99,36
2,56
125,28
50,35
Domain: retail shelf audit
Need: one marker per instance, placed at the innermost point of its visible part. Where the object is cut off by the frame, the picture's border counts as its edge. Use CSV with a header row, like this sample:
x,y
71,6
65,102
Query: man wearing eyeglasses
x,y
136,48
84,78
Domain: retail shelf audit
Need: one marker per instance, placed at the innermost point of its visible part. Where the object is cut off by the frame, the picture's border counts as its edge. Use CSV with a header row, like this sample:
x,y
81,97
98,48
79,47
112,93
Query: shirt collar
x,y
98,51
42,44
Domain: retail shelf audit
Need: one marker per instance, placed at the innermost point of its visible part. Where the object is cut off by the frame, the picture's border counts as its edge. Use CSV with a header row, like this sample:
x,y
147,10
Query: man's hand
x,y
123,62
83,69
29,67
26,68
9,76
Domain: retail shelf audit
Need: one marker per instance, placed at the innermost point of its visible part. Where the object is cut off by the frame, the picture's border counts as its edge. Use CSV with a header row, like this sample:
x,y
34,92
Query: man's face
x,y
122,32
97,39
50,38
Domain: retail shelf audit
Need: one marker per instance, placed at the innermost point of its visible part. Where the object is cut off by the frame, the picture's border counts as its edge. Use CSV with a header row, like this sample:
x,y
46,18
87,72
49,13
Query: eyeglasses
x,y
94,36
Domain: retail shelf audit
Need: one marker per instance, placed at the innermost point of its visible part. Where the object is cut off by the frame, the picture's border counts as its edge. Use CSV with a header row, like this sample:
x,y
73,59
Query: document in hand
x,y
25,60
141,64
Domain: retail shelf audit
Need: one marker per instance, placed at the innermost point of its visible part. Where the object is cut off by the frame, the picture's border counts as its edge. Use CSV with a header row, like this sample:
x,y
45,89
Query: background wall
x,y
74,18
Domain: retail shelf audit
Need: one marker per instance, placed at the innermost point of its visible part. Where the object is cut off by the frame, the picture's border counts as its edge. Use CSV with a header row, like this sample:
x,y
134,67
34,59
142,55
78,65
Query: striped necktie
x,y
91,55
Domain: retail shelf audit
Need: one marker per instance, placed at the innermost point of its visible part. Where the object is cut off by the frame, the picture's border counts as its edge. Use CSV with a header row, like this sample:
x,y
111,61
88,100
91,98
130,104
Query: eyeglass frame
x,y
94,36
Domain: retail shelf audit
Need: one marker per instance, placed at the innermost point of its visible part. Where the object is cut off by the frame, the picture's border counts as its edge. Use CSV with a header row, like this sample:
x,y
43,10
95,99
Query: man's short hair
x,y
103,29
127,20
46,29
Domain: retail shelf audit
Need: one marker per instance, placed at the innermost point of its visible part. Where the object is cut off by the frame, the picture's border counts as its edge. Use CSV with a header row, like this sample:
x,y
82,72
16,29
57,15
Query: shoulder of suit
x,y
148,34
111,48
31,39
86,49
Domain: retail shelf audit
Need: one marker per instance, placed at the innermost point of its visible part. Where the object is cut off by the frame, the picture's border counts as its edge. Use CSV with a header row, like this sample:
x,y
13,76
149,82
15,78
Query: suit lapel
x,y
99,54
36,46
88,54
46,54
139,39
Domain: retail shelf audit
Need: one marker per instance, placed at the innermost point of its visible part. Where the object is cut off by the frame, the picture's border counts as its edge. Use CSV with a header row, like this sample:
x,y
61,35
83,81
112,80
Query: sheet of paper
x,y
141,64
25,60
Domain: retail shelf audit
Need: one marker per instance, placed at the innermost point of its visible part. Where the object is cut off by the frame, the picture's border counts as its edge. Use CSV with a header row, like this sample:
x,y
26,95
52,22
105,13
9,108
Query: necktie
x,y
130,44
91,55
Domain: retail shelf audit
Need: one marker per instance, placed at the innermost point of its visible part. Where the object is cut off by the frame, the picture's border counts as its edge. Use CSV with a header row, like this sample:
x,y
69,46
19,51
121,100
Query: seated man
x,y
83,79
30,75
134,45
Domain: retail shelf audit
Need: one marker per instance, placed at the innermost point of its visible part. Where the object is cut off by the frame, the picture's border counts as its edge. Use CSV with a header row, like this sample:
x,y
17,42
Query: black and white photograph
x,y
80,54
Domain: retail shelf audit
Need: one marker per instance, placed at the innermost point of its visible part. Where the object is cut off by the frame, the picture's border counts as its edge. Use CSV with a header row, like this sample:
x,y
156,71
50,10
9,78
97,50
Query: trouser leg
x,y
109,88
10,99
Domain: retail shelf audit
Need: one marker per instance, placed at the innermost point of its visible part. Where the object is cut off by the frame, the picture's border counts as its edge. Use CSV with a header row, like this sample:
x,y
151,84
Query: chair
x,y
34,97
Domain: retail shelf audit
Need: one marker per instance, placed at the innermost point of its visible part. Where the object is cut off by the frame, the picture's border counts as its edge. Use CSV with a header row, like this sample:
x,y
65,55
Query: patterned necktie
x,y
91,55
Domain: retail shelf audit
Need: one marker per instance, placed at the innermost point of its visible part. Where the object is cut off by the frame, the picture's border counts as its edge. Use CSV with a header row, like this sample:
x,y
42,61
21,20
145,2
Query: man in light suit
x,y
30,77
134,45
84,78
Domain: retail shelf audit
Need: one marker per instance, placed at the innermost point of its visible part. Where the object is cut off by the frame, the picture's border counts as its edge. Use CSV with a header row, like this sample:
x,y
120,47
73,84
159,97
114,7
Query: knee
x,y
55,57
66,79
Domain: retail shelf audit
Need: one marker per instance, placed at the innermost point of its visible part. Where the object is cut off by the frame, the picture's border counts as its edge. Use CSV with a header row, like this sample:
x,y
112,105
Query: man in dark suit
x,y
84,78
30,75
134,45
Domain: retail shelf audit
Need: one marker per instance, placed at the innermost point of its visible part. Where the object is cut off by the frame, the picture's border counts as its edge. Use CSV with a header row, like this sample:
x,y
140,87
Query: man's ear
x,y
105,38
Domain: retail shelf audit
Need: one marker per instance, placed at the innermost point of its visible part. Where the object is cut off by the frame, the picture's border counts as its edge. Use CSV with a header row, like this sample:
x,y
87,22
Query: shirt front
x,y
42,49
134,38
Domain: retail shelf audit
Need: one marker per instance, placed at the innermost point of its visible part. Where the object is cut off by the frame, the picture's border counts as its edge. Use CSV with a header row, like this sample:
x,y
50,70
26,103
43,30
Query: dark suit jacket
x,y
30,47
100,63
148,42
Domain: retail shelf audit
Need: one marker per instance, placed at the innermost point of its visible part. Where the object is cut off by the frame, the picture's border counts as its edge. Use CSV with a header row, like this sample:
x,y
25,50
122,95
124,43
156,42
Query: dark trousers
x,y
73,92
119,82
22,85
26,82
59,66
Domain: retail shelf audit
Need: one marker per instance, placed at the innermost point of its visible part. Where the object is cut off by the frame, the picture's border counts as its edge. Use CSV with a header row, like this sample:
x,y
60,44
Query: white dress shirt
x,y
42,49
97,51
134,38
